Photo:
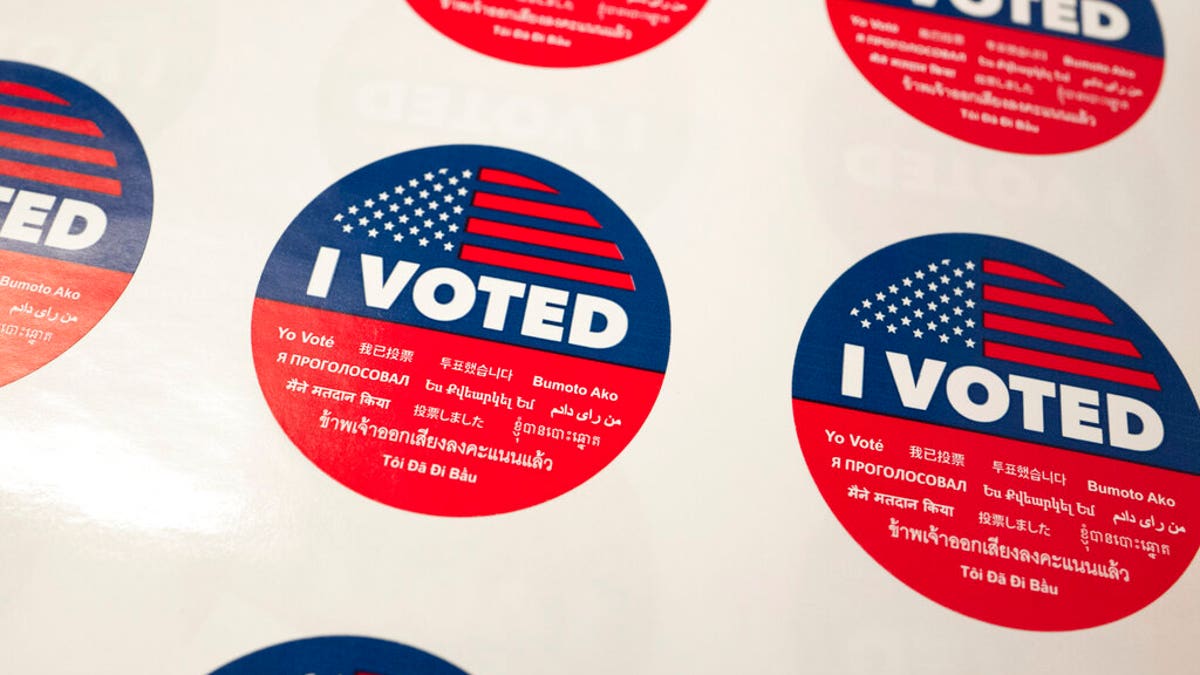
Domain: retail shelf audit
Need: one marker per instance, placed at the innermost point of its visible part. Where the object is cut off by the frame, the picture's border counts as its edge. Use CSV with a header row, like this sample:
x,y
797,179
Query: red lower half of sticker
x,y
1017,534
46,306
557,33
997,87
439,423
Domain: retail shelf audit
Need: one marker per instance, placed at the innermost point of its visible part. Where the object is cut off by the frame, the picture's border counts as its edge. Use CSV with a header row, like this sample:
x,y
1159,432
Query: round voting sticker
x,y
339,656
1001,432
1040,77
558,33
75,202
461,331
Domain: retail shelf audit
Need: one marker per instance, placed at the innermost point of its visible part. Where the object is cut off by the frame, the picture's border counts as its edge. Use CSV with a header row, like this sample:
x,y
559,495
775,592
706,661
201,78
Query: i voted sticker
x,y
75,203
1001,432
558,33
461,331
1025,76
339,655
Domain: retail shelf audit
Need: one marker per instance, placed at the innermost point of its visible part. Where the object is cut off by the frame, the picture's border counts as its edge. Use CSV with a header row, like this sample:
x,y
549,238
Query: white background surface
x,y
155,519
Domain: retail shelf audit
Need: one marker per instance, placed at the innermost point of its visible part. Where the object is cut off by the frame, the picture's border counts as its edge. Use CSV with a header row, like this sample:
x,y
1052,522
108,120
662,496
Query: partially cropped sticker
x,y
558,33
1026,76
461,330
1001,432
75,202
339,656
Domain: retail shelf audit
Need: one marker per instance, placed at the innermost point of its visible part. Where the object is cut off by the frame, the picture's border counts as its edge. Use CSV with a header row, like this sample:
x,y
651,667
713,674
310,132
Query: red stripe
x,y
1067,364
1068,336
530,235
525,207
1012,271
513,180
1042,303
41,146
70,179
552,268
34,118
32,93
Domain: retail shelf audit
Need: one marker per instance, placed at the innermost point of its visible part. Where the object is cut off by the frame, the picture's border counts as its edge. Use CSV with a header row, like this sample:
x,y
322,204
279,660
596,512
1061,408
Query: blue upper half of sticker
x,y
74,180
482,242
339,656
991,335
1131,25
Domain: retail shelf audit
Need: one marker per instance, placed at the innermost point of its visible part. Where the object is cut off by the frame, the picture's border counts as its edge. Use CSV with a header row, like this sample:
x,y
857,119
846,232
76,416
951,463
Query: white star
x,y
970,265
383,196
958,311
933,286
932,306
428,176
413,182
906,281
879,316
433,206
854,312
906,301
467,174
393,207
389,226
891,309
353,210
398,237
958,272
453,180
944,319
453,228
931,326
423,241
338,218
970,342
399,189
944,339
879,296
372,233
408,201
958,330
891,328
462,192
970,304
893,289
917,333
439,235
428,223
944,298
448,199
919,314
970,323
905,320
944,279
918,294
438,187
423,194
378,214
866,323
866,304
362,221
958,291
418,212
347,228
919,274
970,284
933,267
442,171
458,210
443,217
403,218
413,230
448,246
369,203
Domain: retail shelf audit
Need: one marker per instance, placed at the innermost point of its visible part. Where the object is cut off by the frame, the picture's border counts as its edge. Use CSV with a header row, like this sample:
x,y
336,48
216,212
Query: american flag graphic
x,y
524,226
42,141
989,305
